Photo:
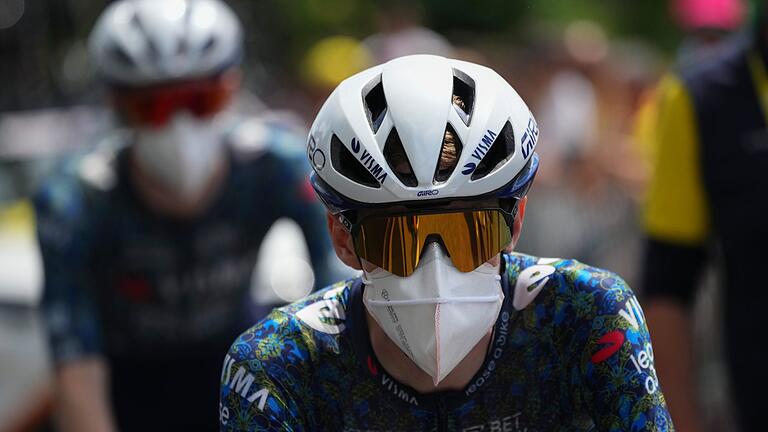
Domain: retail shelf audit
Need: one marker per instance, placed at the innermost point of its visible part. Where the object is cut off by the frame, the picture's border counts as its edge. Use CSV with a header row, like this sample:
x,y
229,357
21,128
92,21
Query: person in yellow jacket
x,y
706,199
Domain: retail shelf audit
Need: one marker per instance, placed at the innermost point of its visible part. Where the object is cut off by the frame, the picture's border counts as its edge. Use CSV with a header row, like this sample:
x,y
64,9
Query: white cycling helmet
x,y
145,42
396,115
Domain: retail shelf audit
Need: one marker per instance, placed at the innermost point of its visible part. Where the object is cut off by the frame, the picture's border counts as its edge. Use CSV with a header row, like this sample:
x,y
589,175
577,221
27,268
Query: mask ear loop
x,y
367,282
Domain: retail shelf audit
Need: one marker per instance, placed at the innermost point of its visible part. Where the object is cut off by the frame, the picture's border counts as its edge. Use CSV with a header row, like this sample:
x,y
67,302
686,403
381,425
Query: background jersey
x,y
710,176
570,352
161,297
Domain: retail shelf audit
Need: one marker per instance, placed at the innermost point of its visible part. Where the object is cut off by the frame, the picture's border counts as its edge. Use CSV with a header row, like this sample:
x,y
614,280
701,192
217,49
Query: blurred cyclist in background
x,y
149,245
424,164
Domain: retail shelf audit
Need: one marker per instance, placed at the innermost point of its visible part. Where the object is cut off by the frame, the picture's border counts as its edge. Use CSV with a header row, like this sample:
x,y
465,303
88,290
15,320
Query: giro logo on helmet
x,y
432,192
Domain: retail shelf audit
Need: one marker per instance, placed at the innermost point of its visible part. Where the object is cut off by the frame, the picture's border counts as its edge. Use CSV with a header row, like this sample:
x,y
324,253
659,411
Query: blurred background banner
x,y
587,68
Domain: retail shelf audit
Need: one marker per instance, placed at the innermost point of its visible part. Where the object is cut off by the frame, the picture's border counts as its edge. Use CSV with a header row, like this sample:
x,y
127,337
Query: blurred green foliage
x,y
279,32
305,21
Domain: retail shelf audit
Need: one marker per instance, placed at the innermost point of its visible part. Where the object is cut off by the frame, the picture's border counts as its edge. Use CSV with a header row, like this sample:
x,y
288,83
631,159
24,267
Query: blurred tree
x,y
649,20
478,16
45,44
307,21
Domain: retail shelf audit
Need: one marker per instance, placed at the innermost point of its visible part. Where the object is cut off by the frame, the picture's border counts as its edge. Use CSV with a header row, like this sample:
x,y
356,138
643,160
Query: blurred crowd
x,y
589,80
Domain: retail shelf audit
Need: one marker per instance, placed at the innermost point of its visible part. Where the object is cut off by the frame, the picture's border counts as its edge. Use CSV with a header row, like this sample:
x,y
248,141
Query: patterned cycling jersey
x,y
570,351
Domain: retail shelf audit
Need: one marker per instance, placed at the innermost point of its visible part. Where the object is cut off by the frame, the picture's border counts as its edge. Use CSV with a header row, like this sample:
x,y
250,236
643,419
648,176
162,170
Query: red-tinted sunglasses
x,y
156,105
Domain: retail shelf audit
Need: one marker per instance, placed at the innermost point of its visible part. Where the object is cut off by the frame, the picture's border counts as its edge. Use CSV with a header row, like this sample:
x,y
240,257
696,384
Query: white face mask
x,y
183,155
438,314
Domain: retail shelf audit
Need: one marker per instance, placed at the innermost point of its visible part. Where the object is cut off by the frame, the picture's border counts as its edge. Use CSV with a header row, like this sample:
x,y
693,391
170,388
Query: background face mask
x,y
438,314
183,155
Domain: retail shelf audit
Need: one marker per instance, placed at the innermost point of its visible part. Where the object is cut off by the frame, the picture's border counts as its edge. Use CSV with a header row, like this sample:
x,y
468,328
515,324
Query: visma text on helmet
x,y
369,162
482,148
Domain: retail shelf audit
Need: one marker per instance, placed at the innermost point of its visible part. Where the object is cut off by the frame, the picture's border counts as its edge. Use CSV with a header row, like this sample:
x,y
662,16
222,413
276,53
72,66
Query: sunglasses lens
x,y
389,243
155,106
395,243
480,237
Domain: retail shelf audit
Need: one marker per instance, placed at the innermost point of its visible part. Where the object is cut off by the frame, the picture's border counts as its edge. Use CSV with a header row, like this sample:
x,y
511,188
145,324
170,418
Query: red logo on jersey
x,y
372,367
614,340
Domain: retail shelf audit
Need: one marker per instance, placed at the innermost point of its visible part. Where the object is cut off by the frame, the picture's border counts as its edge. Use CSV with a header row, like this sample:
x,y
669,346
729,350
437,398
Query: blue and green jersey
x,y
570,352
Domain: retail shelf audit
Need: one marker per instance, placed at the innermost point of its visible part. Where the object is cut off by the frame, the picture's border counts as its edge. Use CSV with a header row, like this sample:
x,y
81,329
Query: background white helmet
x,y
144,42
405,106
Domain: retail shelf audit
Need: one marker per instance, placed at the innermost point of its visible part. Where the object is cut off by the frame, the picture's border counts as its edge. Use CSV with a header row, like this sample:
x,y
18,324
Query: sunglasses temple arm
x,y
348,226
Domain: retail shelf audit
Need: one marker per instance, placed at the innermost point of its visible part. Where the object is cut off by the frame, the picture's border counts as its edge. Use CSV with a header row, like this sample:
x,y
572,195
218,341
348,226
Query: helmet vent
x,y
463,99
397,159
119,54
502,149
375,103
181,47
347,165
209,44
152,52
449,155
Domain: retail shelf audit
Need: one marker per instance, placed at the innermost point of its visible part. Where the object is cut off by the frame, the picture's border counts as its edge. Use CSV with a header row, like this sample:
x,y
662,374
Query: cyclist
x,y
424,164
149,245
